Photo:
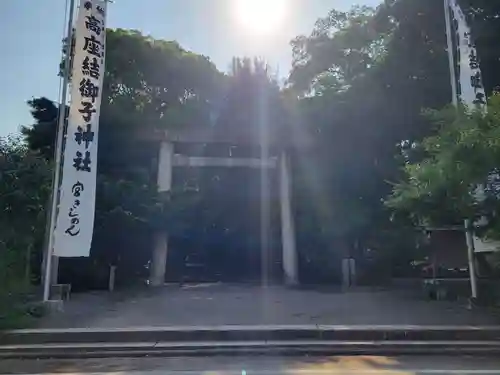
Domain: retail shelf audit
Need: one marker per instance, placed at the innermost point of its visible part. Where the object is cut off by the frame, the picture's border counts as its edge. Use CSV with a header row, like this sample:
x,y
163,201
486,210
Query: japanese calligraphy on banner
x,y
471,92
470,84
75,218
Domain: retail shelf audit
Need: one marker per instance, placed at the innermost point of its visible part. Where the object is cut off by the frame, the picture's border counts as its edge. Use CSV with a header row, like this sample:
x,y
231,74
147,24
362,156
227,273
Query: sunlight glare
x,y
260,16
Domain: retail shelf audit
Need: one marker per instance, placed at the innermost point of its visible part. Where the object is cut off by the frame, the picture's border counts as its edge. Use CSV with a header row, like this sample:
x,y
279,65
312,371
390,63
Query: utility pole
x,y
47,279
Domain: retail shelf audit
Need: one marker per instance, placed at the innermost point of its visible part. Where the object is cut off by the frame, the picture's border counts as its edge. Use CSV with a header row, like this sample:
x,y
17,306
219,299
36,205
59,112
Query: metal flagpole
x,y
47,280
453,80
451,59
470,256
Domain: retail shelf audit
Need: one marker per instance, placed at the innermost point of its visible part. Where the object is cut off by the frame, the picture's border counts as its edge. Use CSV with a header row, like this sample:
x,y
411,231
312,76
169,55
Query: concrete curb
x,y
234,340
250,333
167,349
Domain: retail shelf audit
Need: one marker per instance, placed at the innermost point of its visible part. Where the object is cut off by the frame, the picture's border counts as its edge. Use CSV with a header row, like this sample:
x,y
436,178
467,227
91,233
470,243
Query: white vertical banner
x,y
470,82
75,218
471,92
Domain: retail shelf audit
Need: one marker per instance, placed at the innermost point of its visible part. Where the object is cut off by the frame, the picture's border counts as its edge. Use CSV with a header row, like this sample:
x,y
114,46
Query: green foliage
x,y
24,190
43,137
152,85
157,81
354,98
464,152
341,48
251,96
363,77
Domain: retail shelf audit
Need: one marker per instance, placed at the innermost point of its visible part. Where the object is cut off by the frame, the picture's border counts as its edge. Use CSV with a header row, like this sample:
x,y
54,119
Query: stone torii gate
x,y
168,159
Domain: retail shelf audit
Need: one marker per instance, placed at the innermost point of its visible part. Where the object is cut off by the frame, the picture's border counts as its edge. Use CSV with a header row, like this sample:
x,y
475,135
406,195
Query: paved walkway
x,y
221,304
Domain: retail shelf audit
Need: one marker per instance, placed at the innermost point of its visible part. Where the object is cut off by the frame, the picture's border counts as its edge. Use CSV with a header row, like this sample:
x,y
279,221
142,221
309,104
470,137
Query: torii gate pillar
x,y
168,160
160,245
290,269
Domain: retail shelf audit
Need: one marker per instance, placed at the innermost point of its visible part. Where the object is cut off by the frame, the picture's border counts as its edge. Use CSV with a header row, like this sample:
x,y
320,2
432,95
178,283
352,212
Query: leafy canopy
x,y
442,173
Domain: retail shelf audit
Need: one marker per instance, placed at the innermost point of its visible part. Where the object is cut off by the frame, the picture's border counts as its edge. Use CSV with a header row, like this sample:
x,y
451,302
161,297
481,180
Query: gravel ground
x,y
224,304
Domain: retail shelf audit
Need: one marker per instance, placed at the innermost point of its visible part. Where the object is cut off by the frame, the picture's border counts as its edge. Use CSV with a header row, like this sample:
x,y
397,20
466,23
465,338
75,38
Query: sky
x,y
33,31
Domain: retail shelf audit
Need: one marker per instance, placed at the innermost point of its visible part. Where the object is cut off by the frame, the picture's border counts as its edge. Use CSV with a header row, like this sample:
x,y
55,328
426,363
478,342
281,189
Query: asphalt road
x,y
358,365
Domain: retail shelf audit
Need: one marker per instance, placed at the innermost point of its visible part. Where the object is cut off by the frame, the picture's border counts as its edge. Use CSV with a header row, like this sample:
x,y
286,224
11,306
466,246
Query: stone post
x,y
287,222
160,249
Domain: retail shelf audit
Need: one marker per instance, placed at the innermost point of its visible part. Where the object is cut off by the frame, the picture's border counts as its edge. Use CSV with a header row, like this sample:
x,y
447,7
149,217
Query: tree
x,y
356,91
228,242
42,137
441,185
149,85
439,180
251,96
24,192
25,186
363,77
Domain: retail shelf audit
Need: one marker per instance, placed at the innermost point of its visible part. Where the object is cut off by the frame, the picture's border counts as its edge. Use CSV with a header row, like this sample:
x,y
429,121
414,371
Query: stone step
x,y
250,333
281,348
